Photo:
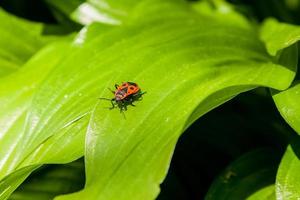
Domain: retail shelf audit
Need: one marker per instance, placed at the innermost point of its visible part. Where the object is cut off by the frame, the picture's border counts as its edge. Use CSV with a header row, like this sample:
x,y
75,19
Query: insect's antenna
x,y
111,90
101,98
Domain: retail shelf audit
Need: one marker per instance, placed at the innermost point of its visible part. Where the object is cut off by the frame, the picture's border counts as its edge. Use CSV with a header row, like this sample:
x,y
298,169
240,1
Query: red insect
x,y
125,95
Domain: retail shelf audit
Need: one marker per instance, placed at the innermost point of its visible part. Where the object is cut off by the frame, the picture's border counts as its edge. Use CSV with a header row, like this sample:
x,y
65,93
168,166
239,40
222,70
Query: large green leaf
x,y
19,40
187,62
245,176
16,91
186,67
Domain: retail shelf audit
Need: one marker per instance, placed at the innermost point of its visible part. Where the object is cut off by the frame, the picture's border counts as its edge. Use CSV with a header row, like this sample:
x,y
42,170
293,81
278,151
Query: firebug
x,y
124,95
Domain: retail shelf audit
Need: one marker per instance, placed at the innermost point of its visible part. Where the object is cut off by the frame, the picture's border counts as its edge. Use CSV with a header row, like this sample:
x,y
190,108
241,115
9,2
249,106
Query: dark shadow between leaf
x,y
288,57
295,144
215,99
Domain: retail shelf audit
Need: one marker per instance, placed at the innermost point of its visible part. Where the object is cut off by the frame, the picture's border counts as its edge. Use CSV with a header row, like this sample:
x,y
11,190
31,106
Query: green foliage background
x,y
59,141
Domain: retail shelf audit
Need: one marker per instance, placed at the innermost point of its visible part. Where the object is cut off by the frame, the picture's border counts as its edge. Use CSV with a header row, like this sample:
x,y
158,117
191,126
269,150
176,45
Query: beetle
x,y
124,95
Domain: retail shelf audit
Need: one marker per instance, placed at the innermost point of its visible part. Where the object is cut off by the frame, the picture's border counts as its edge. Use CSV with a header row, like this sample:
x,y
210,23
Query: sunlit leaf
x,y
288,104
16,92
278,36
288,176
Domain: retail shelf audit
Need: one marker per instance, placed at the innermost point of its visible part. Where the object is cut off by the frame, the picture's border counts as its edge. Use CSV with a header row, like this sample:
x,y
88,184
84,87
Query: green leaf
x,y
288,176
16,92
288,105
278,36
245,176
50,181
19,40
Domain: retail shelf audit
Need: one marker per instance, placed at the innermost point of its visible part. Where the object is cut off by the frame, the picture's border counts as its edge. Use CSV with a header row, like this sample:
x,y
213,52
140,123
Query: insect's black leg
x,y
131,102
141,96
135,97
121,105
125,105
143,93
123,113
116,86
121,109
112,104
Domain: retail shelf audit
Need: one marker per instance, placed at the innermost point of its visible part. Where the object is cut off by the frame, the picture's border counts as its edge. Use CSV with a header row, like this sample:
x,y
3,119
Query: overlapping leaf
x,y
287,102
278,36
288,105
